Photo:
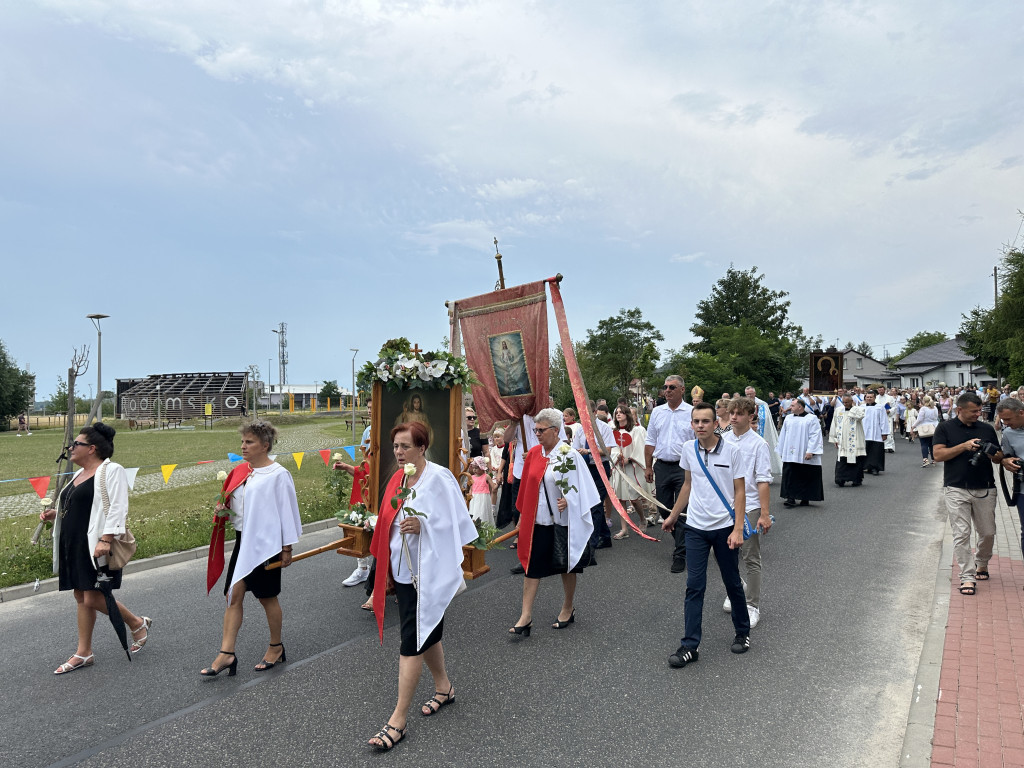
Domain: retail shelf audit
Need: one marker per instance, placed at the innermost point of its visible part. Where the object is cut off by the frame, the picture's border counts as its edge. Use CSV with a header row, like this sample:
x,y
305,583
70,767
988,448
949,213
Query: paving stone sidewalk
x,y
979,719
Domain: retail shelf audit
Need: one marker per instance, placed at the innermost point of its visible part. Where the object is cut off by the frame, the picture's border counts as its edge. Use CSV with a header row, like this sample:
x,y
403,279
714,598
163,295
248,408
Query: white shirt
x,y
579,440
876,423
706,511
757,463
669,430
800,435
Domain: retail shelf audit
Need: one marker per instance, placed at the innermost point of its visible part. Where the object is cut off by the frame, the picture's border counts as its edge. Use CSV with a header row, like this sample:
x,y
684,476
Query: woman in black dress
x,y
89,521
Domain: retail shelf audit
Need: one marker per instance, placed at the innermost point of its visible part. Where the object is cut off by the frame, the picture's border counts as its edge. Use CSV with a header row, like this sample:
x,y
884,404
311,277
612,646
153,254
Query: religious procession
x,y
466,446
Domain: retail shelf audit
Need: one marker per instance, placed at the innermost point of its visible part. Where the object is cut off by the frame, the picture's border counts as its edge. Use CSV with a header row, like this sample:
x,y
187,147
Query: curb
x,y
171,558
917,739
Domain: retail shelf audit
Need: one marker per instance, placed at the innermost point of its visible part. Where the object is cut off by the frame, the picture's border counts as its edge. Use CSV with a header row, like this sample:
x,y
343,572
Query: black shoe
x,y
854,485
264,665
678,565
790,503
523,630
841,484
682,657
563,624
212,671
518,569
741,644
606,544
805,503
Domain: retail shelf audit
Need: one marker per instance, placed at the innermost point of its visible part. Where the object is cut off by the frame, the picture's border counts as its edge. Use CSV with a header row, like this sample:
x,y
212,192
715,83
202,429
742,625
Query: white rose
x,y
222,475
337,457
564,448
46,502
410,469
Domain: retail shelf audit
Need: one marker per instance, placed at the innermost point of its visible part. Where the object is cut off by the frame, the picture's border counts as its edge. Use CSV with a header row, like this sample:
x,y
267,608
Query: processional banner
x,y
505,336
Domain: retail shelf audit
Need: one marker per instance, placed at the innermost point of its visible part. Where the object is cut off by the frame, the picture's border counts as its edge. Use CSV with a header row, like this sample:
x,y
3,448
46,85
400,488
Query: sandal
x,y
67,666
433,706
967,588
383,734
264,665
621,535
138,645
367,606
982,574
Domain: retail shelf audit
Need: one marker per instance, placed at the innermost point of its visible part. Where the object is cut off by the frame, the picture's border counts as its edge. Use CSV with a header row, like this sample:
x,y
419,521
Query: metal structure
x,y
282,361
96,414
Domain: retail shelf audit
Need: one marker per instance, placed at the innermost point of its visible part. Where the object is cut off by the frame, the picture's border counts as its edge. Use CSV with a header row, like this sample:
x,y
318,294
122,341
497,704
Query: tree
x,y
861,349
329,390
58,402
920,341
737,297
996,336
622,348
598,382
17,388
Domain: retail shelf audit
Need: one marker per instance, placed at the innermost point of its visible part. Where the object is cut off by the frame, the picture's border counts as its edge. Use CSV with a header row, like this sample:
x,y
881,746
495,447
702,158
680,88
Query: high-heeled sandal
x,y
433,710
264,665
567,622
523,630
138,645
67,666
383,734
232,668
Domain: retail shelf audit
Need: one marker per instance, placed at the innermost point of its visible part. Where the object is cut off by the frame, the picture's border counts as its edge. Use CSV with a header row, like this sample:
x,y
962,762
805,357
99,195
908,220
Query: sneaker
x,y
727,605
682,657
740,644
678,565
359,575
755,615
517,569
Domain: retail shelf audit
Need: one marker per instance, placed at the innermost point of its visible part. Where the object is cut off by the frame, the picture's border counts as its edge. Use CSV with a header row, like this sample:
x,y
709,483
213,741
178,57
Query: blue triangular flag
x,y
234,457
351,451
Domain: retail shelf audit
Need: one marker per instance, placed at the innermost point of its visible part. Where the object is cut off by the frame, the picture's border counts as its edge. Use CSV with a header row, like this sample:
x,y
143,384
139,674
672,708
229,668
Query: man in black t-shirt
x,y
969,486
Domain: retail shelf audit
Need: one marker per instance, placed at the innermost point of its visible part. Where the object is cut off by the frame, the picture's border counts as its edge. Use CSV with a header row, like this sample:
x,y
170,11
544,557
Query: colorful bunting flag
x,y
40,484
234,457
272,456
131,474
298,459
351,451
167,469
325,454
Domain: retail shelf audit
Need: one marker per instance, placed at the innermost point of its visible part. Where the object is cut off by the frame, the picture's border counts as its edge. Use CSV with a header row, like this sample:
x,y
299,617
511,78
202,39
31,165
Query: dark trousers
x,y
1020,511
698,545
602,535
668,481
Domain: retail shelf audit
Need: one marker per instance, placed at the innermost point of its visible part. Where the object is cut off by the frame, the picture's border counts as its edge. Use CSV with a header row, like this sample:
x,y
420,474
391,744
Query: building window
x,y
958,365
860,363
913,382
961,379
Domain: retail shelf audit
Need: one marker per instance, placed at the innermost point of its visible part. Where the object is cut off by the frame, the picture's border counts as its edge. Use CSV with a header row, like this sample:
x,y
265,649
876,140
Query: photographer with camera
x,y
967,449
1011,411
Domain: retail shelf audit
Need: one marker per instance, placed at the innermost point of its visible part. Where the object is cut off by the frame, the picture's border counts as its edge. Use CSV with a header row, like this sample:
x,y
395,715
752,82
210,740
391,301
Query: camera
x,y
986,449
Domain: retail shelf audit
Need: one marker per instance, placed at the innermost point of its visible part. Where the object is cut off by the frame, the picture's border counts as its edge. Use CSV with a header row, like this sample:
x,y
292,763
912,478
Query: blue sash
x,y
747,530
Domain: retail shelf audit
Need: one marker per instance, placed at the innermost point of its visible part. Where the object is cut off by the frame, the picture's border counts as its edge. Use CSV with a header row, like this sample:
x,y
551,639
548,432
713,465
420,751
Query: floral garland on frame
x,y
399,367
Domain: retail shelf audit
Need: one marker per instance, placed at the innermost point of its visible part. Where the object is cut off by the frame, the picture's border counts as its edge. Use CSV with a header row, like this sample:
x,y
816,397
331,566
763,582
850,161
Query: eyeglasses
x,y
671,386
538,431
471,418
77,443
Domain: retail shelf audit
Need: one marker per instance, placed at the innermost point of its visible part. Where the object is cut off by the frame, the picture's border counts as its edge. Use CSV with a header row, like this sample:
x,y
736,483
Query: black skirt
x,y
875,460
75,569
802,481
261,582
407,600
542,554
850,471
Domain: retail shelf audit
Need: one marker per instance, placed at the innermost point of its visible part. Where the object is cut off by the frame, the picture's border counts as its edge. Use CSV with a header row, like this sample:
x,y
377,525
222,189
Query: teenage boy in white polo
x,y
711,525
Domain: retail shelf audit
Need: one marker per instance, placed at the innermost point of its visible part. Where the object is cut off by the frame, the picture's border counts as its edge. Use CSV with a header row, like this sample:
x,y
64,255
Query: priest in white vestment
x,y
888,402
847,434
800,448
876,429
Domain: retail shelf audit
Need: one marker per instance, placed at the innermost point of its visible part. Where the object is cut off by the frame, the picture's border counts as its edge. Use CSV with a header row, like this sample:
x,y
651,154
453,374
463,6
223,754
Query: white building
x,y
945,363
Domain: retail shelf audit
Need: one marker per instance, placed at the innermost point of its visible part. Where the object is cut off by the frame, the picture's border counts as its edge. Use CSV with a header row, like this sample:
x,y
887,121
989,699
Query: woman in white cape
x,y
418,544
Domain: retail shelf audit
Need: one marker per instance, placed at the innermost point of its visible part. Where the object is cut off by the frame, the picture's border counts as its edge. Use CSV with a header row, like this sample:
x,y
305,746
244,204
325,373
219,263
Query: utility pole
x,y
995,285
97,406
354,353
282,361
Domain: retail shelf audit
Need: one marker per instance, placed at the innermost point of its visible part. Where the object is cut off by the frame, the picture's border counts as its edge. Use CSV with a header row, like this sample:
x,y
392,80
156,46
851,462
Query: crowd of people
x,y
703,470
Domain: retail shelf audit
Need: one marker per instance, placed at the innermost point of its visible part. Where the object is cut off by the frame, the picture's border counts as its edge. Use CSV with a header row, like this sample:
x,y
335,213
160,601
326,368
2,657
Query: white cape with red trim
x,y
446,528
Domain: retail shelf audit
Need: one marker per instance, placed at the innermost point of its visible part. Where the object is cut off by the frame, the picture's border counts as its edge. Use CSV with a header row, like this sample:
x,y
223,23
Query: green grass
x,y
169,520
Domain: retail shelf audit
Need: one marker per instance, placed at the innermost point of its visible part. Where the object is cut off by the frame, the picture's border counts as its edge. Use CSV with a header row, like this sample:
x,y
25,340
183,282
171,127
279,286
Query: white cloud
x,y
687,258
508,189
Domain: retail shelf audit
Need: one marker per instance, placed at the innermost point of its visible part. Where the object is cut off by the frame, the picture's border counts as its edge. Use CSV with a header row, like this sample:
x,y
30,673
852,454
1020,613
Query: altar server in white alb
x,y
876,430
800,448
765,426
888,402
847,434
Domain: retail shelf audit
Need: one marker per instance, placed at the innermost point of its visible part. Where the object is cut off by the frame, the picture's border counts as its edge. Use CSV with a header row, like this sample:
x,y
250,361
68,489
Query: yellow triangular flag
x,y
167,469
298,459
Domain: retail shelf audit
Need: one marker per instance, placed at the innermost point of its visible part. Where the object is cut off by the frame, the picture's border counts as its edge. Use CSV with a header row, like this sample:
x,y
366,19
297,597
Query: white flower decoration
x,y
337,457
410,469
564,448
222,475
46,502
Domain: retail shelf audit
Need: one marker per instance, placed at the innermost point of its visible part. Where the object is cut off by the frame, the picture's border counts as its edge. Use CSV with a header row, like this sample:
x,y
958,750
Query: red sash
x,y
215,557
534,466
380,548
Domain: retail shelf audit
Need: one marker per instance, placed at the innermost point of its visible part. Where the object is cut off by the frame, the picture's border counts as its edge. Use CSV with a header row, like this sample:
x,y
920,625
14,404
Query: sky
x,y
202,171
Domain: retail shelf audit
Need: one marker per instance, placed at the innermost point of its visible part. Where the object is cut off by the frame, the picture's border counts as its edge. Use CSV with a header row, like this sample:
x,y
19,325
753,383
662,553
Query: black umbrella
x,y
103,584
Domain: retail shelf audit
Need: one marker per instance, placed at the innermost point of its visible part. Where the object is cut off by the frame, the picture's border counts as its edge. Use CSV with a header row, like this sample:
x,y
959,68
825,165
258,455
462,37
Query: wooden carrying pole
x,y
317,551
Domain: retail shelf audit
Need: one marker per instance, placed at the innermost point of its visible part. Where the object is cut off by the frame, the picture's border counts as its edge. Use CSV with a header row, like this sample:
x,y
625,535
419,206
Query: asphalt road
x,y
846,596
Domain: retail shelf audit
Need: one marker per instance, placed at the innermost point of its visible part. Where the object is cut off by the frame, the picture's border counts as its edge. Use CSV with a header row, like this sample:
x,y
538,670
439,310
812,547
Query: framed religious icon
x,y
414,386
826,372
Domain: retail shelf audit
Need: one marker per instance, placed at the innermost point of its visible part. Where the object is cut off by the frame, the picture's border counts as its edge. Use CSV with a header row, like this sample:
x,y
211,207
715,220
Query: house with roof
x,y
859,370
945,363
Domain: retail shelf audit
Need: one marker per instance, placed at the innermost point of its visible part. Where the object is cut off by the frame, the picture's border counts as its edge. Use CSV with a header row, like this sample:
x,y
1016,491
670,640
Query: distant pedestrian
x,y
23,424
1011,412
926,421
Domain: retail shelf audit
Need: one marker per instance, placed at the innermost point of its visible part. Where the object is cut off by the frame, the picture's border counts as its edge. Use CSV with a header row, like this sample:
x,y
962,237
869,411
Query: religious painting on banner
x,y
505,336
826,372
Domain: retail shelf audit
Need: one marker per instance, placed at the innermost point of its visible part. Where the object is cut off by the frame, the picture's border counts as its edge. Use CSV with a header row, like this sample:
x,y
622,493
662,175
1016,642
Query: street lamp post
x,y
97,405
354,353
280,377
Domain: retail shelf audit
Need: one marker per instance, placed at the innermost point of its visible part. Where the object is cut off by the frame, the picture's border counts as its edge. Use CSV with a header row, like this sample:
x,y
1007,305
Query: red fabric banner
x,y
40,484
215,555
579,393
505,335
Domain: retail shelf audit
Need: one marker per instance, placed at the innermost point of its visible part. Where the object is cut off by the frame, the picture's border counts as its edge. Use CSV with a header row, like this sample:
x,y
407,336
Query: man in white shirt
x,y
602,535
669,428
714,494
757,480
876,429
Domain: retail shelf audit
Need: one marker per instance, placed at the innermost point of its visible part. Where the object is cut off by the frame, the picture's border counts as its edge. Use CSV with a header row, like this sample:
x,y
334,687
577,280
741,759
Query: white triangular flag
x,y
272,456
131,473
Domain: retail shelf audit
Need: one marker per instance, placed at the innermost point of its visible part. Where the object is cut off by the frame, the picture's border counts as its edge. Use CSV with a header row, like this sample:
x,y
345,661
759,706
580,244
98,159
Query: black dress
x,y
75,569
